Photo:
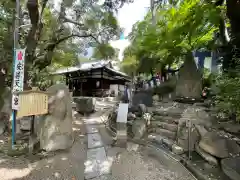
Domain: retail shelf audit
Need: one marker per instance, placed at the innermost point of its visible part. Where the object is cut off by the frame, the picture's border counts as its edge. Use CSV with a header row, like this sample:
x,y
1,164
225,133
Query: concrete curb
x,y
197,174
157,150
193,170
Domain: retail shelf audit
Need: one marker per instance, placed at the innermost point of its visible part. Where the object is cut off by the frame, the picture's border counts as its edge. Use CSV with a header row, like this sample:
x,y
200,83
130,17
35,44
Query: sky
x,y
128,15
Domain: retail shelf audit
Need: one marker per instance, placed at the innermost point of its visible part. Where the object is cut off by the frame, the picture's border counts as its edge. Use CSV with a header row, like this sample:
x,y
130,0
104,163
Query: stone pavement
x,y
105,162
97,162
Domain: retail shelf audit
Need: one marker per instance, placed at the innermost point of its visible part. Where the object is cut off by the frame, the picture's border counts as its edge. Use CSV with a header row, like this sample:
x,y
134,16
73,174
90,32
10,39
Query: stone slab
x,y
97,163
94,140
92,120
92,129
230,167
122,113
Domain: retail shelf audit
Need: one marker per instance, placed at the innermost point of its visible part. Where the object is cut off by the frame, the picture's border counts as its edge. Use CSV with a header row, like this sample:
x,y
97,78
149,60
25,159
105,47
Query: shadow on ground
x,y
58,165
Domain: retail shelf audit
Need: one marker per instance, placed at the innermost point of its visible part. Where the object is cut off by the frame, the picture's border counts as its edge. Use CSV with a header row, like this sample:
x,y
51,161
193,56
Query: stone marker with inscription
x,y
189,84
122,124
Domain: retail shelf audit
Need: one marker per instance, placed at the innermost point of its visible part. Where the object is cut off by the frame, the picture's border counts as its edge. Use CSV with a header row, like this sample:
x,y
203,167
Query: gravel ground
x,y
128,165
136,166
61,166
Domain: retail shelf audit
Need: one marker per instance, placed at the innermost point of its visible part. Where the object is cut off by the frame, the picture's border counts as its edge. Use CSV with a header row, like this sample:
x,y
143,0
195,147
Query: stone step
x,y
207,157
170,144
163,132
230,167
172,113
167,119
156,138
164,125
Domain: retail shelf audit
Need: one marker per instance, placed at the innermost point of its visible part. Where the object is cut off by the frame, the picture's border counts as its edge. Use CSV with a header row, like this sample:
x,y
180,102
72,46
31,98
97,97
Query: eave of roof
x,y
89,66
82,67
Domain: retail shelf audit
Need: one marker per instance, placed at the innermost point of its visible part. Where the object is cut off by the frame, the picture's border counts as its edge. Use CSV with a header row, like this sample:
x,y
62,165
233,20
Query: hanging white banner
x,y
19,61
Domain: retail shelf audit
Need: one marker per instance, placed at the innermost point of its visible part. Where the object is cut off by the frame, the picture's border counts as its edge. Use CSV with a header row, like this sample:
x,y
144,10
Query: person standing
x,y
126,99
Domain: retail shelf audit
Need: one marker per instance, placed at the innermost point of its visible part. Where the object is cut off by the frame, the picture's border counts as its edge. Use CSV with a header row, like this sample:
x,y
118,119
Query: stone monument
x,y
85,104
143,97
122,125
55,128
189,84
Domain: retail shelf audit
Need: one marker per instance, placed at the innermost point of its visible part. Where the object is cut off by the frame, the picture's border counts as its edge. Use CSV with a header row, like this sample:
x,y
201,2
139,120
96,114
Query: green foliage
x,y
228,95
129,65
181,26
61,35
207,78
104,51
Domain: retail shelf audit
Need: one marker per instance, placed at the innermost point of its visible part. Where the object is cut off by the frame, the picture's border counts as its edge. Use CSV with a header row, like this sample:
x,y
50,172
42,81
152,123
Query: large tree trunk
x,y
233,9
231,49
2,82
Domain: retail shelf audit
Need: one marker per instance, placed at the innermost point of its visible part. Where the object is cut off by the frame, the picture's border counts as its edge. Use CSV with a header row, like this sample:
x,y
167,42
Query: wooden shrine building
x,y
92,78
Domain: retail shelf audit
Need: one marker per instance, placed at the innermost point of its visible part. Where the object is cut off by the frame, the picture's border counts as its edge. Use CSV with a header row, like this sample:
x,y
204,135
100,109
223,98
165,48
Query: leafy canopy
x,y
181,27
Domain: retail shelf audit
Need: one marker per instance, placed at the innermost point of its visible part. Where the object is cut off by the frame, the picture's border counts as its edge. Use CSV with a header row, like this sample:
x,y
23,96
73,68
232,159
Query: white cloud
x,y
128,15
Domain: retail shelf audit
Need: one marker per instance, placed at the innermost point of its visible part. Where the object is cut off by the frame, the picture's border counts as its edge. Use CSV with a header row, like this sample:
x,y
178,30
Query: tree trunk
x,y
233,9
2,88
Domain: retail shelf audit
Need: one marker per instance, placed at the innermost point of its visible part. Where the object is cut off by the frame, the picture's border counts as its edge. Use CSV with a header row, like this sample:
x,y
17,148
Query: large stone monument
x,y
189,84
143,97
55,128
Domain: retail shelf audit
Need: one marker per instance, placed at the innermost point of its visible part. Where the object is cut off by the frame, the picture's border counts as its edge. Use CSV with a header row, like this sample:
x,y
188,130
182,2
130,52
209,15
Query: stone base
x,y
121,142
121,135
85,104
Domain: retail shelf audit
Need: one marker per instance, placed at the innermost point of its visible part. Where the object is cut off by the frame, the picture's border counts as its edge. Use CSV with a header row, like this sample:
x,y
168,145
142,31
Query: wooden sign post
x,y
32,103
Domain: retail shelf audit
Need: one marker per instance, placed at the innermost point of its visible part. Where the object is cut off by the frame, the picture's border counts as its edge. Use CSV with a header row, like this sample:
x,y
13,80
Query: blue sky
x,y
128,15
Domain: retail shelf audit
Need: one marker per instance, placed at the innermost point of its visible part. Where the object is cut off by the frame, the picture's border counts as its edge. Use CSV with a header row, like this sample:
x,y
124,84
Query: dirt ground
x,y
61,165
69,165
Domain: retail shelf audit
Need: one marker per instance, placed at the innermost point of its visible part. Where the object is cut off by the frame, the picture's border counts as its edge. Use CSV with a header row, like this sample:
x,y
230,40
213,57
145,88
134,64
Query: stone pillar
x,y
122,125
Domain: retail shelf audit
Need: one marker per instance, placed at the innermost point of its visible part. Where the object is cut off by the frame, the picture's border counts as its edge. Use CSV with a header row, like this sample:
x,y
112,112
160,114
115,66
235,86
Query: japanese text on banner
x,y
18,75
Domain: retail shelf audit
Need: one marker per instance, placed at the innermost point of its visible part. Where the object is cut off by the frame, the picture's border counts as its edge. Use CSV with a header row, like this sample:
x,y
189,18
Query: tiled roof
x,y
88,66
82,67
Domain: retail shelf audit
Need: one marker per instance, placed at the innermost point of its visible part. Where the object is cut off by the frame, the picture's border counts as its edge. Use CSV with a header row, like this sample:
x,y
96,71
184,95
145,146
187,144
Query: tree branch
x,y
219,2
43,7
71,21
44,60
52,45
223,32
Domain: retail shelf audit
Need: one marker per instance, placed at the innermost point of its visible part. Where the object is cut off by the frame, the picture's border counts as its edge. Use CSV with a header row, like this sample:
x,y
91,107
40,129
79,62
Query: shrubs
x,y
227,97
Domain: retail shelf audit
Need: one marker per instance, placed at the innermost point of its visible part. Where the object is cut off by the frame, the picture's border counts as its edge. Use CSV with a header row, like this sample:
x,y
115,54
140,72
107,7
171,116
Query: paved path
x,y
105,162
97,163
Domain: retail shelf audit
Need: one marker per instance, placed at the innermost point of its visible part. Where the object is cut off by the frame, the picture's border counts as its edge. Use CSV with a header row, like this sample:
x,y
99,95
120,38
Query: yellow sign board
x,y
32,103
